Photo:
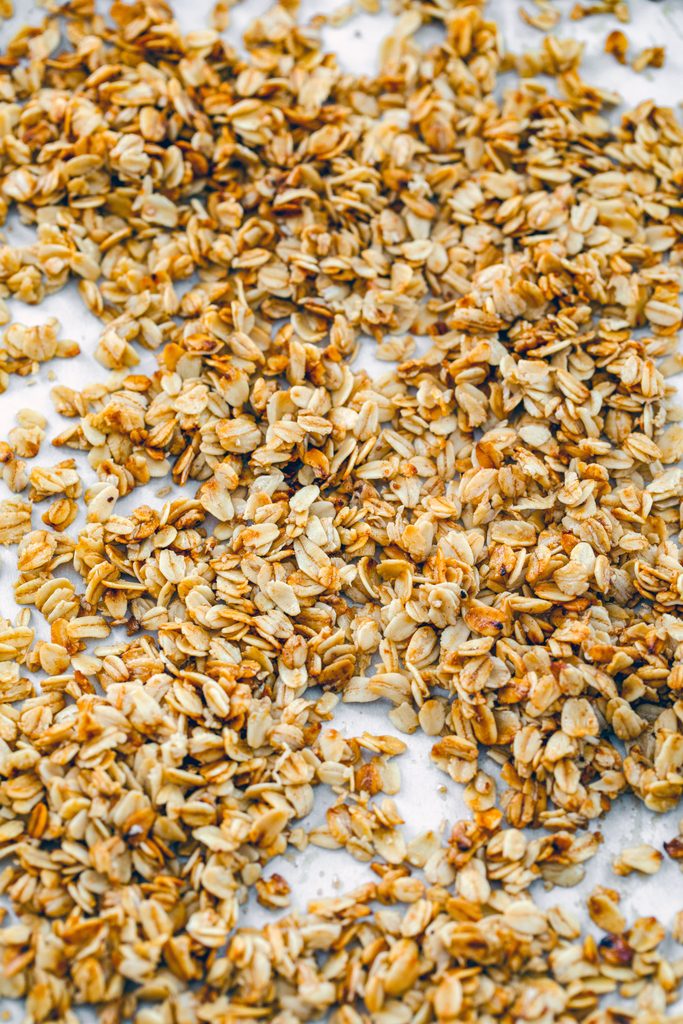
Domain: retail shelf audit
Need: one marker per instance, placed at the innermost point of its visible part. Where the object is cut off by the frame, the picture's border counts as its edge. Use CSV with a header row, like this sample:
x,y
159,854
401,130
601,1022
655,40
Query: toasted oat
x,y
616,44
651,56
545,18
220,15
620,8
15,521
644,859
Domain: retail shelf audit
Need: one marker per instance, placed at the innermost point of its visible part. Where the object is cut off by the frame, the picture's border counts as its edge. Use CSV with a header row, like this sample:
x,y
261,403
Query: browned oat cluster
x,y
486,538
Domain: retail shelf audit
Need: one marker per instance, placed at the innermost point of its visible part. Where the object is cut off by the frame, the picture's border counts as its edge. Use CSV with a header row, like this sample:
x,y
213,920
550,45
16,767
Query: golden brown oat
x,y
619,8
651,56
544,18
644,859
616,44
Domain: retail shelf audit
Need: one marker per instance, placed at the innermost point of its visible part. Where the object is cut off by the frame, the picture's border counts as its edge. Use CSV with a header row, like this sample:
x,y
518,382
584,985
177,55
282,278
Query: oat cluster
x,y
485,538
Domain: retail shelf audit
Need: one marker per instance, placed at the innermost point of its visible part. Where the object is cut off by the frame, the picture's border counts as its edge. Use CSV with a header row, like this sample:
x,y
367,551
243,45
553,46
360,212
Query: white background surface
x,y
428,799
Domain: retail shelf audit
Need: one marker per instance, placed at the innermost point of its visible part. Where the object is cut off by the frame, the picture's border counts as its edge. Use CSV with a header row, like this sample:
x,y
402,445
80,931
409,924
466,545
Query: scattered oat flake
x,y
616,44
545,18
651,56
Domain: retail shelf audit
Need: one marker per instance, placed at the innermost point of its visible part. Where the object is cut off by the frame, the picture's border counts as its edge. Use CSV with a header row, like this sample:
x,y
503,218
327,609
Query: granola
x,y
486,537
